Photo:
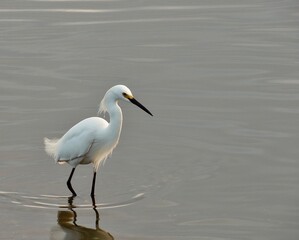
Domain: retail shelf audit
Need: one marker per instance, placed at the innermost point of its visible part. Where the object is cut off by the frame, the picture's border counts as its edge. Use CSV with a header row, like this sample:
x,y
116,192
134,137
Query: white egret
x,y
93,139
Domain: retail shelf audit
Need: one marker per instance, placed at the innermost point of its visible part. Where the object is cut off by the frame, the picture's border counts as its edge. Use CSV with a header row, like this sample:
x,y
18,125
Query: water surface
x,y
219,160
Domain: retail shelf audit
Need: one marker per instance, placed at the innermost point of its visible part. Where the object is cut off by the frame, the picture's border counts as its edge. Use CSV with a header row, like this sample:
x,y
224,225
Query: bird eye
x,y
127,96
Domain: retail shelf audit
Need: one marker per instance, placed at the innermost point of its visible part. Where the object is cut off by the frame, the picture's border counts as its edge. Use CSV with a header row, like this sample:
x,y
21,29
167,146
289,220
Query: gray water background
x,y
219,159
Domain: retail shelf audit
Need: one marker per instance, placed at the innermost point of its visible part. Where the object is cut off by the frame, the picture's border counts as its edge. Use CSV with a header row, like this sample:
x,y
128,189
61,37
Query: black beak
x,y
134,101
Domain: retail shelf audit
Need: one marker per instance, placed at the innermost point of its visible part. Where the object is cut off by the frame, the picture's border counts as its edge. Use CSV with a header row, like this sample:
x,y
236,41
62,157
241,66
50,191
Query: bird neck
x,y
116,118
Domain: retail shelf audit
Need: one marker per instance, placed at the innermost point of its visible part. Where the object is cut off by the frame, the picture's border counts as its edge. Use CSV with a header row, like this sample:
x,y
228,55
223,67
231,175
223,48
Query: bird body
x,y
92,147
93,139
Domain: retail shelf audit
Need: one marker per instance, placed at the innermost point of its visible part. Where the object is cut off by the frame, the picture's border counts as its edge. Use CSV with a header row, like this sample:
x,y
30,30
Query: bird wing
x,y
77,142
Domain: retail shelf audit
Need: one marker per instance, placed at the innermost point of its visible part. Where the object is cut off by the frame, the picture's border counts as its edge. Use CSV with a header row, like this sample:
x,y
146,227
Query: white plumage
x,y
93,139
78,144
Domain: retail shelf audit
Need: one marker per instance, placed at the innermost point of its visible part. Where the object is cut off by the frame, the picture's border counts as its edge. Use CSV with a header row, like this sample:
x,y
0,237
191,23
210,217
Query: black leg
x,y
97,218
93,184
69,185
93,202
71,208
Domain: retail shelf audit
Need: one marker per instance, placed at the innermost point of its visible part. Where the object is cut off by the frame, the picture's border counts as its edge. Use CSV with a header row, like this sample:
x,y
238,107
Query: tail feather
x,y
51,147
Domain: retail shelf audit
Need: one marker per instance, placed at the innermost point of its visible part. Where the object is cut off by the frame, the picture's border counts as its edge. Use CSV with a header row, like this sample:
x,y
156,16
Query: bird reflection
x,y
67,221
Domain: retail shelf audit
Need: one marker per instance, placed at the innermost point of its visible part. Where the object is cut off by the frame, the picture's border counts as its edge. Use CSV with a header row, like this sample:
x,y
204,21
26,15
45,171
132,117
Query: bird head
x,y
121,92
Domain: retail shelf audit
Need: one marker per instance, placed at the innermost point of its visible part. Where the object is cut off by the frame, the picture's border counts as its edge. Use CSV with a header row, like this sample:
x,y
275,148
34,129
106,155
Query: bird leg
x,y
69,185
97,218
93,184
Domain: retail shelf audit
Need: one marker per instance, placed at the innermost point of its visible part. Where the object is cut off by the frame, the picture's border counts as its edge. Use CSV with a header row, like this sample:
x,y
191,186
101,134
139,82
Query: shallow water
x,y
219,159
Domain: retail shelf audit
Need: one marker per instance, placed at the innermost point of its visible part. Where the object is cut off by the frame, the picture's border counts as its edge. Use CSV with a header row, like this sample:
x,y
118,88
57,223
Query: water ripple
x,y
130,9
141,20
57,202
